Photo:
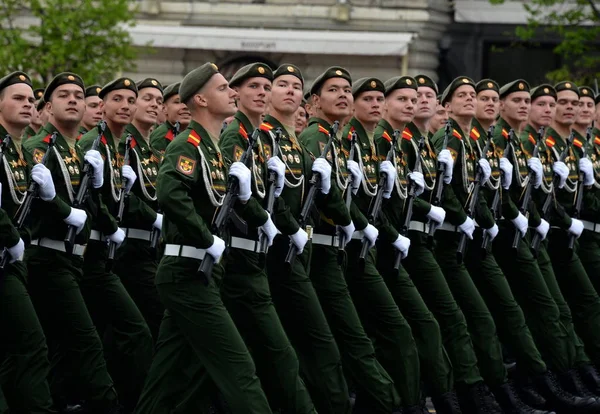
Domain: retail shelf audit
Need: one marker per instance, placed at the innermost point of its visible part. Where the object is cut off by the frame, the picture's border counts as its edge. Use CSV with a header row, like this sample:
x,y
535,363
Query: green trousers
x,y
427,276
3,405
247,297
589,254
372,381
76,358
479,319
436,368
24,364
198,341
508,315
136,267
395,345
304,321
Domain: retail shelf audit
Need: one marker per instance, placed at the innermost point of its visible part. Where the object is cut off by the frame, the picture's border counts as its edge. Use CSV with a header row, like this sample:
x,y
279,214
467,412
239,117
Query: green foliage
x,y
46,37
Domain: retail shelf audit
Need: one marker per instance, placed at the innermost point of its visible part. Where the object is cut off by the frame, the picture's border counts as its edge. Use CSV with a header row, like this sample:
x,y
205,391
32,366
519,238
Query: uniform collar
x,y
245,122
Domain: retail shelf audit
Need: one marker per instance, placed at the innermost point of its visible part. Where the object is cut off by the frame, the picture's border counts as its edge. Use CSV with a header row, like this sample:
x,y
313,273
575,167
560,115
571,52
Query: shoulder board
x,y
550,142
323,130
103,140
474,134
406,134
504,133
350,133
46,139
456,134
531,139
597,140
386,136
169,135
266,127
577,142
243,131
133,143
194,138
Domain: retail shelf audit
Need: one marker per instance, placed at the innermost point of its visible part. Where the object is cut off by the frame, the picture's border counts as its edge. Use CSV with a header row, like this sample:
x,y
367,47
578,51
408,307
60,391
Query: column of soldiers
x,y
351,250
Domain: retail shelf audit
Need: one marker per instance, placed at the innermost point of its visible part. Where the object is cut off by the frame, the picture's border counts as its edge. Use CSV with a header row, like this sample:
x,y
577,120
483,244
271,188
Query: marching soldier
x,y
175,111
93,112
23,350
36,122
301,119
191,186
439,119
130,352
427,102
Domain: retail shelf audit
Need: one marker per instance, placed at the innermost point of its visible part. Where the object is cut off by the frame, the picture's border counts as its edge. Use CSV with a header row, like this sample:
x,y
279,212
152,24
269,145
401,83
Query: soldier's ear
x,y
200,100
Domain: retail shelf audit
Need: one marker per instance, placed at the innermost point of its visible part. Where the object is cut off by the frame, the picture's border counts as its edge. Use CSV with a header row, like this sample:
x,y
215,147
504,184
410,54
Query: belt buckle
x,y
309,232
336,240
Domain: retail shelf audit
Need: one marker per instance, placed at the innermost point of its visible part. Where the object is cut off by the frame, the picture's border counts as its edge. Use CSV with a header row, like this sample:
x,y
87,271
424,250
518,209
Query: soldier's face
x,y
516,106
488,105
44,115
16,105
300,120
426,102
254,95
567,105
597,122
67,104
369,106
286,95
119,106
92,114
177,111
400,105
439,118
217,97
463,101
335,100
543,110
149,105
586,111
36,120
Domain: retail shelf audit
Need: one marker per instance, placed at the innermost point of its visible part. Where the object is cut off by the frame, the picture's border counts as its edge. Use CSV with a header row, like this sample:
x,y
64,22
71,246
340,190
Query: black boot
x,y
477,399
414,409
511,403
571,382
560,400
528,394
590,378
446,403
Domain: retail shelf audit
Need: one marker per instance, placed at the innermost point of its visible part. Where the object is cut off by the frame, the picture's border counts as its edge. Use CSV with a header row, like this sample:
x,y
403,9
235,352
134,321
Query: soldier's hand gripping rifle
x,y
226,210
524,206
263,240
123,196
537,238
314,186
31,194
348,199
438,189
579,198
474,198
84,187
376,202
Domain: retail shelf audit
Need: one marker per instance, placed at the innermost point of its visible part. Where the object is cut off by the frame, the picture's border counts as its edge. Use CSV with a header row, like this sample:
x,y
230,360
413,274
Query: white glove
x,y
387,168
356,175
576,227
242,173
562,171
444,157
76,218
158,222
322,167
535,165
492,231
468,227
269,230
299,239
507,168
418,180
348,231
42,175
94,158
278,167
585,166
543,228
402,244
520,222
216,249
437,214
130,176
370,233
117,237
16,252
486,170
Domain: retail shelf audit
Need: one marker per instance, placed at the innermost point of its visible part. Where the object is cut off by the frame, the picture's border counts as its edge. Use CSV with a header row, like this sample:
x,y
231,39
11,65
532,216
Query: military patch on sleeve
x,y
38,154
186,165
237,153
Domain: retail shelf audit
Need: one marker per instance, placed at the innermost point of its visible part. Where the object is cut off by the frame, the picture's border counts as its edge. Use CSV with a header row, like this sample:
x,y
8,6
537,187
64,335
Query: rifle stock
x,y
262,238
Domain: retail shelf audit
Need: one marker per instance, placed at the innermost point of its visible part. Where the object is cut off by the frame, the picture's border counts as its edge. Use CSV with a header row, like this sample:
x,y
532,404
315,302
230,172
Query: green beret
x,y
424,80
307,95
253,70
62,79
399,82
543,90
195,80
566,86
171,90
149,83
456,83
288,69
518,85
586,92
330,73
40,104
487,85
121,83
93,90
38,93
367,85
14,78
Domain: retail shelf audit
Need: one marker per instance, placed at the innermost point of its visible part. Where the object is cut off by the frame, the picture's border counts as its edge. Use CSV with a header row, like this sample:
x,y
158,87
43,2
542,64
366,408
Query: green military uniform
x,y
109,303
245,290
24,364
28,132
191,186
165,132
